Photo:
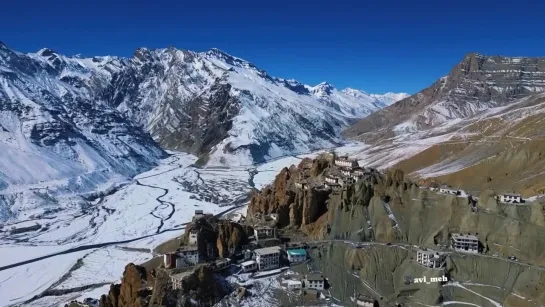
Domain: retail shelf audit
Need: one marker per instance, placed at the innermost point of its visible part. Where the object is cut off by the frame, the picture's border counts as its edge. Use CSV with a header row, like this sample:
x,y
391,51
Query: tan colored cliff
x,y
133,290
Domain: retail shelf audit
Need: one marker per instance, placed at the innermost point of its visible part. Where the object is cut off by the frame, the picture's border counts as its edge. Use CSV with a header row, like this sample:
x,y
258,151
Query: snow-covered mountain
x,y
55,131
229,111
479,82
82,121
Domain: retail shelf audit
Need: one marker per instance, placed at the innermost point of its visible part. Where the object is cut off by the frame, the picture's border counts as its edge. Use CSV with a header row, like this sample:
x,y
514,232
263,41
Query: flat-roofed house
x,y
430,258
364,301
465,243
190,255
248,266
510,198
331,179
296,255
344,161
315,281
268,258
264,232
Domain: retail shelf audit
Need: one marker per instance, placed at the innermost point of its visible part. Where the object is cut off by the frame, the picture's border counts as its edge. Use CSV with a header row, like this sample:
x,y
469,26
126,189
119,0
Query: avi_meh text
x,y
424,279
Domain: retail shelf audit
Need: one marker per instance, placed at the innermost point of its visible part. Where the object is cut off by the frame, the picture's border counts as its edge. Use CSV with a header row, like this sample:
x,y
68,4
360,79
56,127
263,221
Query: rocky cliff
x,y
218,237
133,291
139,288
389,208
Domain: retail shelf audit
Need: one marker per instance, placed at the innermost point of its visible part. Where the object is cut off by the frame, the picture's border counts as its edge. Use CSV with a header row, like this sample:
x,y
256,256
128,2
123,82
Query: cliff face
x,y
295,207
219,237
139,288
133,290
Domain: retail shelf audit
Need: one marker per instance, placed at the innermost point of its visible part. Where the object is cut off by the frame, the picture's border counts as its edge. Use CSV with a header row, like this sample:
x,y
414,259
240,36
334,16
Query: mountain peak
x,y
45,52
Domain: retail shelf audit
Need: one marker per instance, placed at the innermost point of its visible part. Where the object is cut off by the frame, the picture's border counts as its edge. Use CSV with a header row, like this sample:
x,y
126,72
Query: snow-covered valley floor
x,y
78,251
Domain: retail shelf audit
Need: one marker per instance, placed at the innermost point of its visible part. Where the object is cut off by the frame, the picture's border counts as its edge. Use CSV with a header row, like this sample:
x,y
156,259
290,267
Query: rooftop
x,y
315,276
512,194
297,252
249,262
267,250
462,236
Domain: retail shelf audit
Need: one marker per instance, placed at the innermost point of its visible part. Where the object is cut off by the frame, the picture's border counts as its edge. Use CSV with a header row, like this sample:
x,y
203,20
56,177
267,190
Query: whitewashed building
x,y
364,301
332,179
189,254
346,162
315,281
293,285
268,258
264,232
193,234
510,198
248,266
465,243
430,258
445,190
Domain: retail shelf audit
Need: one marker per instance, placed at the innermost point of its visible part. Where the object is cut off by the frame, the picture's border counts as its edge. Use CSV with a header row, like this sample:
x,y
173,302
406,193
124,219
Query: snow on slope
x,y
57,137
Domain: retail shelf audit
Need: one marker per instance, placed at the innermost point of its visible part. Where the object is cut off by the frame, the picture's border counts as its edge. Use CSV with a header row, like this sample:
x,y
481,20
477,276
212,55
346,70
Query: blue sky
x,y
376,46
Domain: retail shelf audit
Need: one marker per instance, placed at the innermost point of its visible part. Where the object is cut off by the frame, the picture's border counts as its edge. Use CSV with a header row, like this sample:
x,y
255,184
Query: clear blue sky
x,y
377,46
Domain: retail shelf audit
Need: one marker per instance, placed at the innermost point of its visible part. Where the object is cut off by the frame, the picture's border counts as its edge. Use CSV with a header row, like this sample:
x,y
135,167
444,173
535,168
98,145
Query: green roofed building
x,y
297,255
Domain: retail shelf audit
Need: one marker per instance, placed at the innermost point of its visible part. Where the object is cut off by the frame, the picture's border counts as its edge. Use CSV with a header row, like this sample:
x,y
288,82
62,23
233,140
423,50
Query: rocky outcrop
x,y
218,237
134,290
203,287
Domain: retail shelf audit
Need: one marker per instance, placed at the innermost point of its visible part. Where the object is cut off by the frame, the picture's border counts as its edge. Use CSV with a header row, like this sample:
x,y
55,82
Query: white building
x,y
301,185
297,255
190,254
358,172
448,191
346,172
248,266
331,179
268,258
315,281
345,162
364,301
193,234
264,232
177,279
293,285
430,258
221,264
510,198
465,243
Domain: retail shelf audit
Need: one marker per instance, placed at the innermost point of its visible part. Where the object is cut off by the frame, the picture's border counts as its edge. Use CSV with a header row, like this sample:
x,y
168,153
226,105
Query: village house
x,y
331,179
346,172
187,256
344,161
296,255
221,264
264,232
293,285
248,266
446,190
364,301
430,258
510,198
315,281
193,234
268,258
465,243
